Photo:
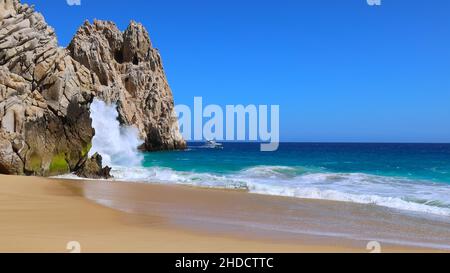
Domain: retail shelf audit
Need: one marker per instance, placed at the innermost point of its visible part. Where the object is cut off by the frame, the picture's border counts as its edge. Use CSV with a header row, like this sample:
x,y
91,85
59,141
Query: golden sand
x,y
44,215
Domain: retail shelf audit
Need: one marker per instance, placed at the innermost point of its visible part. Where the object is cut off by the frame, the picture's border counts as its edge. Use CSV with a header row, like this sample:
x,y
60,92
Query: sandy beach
x,y
43,215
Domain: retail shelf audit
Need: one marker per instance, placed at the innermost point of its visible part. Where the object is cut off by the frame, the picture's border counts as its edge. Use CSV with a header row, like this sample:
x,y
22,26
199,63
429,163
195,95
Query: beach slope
x,y
44,215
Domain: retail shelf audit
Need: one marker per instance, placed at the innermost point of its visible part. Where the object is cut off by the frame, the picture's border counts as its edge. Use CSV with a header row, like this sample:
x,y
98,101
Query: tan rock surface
x,y
131,74
46,91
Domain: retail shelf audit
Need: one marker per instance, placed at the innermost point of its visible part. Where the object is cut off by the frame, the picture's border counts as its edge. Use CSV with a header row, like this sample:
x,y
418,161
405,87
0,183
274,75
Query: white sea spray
x,y
118,145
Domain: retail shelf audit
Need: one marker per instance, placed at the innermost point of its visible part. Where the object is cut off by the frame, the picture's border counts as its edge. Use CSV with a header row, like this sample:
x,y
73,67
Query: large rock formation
x,y
131,74
46,91
44,97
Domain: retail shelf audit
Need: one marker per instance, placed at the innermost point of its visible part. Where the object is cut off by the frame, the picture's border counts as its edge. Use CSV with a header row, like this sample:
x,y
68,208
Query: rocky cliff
x,y
46,91
131,74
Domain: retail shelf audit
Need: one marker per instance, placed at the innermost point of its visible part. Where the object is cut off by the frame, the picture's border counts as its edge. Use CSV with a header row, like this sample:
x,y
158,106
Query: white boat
x,y
212,144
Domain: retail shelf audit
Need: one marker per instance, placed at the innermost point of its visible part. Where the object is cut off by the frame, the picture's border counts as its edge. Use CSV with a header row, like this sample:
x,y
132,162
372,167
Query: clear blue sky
x,y
339,69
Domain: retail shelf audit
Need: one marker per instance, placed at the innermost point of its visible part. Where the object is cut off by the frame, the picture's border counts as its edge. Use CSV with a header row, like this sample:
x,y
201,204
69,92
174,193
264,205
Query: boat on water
x,y
212,144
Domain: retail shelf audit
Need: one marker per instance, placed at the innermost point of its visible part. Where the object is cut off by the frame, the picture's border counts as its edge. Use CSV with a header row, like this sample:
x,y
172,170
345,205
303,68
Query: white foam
x,y
397,193
118,145
166,175
275,172
335,195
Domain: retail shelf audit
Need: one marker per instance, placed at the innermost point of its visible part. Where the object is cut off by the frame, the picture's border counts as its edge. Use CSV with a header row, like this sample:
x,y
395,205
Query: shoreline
x,y
43,215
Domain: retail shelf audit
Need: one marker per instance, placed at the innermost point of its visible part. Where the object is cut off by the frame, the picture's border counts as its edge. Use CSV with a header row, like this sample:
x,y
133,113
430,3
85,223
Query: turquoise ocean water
x,y
414,161
407,177
413,178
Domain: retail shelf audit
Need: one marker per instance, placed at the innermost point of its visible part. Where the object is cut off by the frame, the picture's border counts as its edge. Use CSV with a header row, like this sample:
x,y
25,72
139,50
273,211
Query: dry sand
x,y
43,215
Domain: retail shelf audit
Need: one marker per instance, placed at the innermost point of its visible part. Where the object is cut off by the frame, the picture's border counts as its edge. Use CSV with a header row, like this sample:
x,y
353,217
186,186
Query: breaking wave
x,y
391,192
118,145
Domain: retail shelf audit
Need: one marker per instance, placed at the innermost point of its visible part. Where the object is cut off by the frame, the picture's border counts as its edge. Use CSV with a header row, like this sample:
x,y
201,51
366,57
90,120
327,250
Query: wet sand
x,y
43,215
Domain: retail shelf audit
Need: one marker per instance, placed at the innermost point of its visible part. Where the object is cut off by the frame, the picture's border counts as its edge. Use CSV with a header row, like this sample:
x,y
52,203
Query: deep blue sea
x,y
407,177
414,161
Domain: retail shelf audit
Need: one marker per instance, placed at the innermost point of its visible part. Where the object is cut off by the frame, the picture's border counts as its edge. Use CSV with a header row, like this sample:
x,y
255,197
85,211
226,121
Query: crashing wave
x,y
118,145
297,182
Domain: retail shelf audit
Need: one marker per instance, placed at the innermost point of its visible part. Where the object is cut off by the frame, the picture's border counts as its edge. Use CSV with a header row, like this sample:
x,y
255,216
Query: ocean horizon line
x,y
323,142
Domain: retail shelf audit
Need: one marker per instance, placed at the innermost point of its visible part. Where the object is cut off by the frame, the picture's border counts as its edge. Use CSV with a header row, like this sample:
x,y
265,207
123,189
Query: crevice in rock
x,y
118,56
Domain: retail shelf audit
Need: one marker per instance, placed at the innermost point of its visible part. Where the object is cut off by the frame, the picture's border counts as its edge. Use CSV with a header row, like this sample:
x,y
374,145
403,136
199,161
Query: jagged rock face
x,y
46,91
130,74
45,127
